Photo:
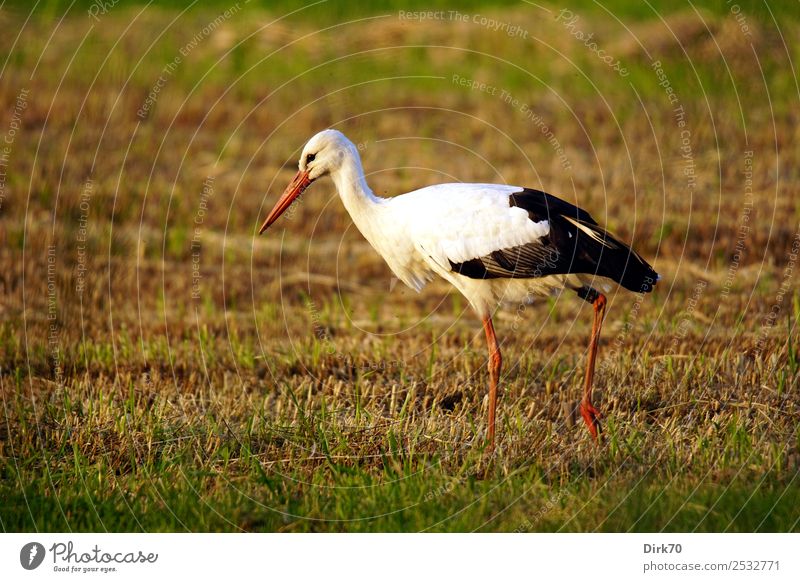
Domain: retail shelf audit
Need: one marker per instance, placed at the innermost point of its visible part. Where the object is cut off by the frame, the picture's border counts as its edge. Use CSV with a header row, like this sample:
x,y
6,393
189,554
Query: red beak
x,y
300,182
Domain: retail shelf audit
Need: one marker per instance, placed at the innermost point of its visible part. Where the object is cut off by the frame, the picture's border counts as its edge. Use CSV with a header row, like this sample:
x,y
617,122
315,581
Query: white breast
x,y
458,222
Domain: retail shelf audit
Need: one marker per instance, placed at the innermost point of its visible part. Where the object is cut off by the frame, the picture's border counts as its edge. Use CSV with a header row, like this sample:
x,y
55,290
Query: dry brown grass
x,y
299,368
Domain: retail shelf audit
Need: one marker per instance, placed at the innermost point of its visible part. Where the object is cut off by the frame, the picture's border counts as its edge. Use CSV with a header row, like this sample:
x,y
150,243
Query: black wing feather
x,y
575,244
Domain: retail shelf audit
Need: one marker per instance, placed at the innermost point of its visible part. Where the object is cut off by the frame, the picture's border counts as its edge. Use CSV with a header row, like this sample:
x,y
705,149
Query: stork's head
x,y
323,154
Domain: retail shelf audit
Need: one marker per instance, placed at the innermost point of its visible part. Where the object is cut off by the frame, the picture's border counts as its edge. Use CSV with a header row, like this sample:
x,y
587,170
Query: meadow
x,y
163,368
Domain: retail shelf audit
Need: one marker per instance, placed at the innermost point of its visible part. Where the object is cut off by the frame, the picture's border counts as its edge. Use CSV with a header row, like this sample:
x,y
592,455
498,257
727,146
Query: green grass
x,y
211,476
177,501
131,453
337,11
302,390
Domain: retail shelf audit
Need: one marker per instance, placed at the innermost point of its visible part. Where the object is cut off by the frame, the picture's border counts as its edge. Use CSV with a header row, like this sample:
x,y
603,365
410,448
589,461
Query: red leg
x,y
591,416
495,363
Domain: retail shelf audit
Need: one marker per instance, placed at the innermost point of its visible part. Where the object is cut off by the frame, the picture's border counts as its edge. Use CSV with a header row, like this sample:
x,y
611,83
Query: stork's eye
x,y
310,158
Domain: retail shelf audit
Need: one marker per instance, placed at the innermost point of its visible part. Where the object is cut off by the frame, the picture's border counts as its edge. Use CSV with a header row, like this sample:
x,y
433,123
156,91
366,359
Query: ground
x,y
165,369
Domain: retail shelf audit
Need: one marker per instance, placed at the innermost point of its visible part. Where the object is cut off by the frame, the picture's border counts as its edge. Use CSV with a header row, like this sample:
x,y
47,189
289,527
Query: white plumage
x,y
422,232
494,243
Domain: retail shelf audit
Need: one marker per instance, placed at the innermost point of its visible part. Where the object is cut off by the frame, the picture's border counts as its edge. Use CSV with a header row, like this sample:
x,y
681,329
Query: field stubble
x,y
164,370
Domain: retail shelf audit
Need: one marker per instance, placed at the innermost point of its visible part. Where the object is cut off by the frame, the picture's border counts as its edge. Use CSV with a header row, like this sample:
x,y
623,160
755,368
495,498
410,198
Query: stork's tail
x,y
616,260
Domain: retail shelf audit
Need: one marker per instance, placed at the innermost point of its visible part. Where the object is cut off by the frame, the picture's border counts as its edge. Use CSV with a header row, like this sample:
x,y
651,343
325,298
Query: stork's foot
x,y
591,416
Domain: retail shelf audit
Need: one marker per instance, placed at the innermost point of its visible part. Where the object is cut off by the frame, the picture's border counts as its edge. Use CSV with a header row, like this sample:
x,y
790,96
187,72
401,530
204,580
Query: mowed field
x,y
165,369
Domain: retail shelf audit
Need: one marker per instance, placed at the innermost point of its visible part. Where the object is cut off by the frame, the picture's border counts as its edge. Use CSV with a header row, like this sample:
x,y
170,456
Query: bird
x,y
495,243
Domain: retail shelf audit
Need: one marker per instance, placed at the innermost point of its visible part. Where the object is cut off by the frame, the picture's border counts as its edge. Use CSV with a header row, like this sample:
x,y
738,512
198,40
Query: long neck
x,y
363,206
376,219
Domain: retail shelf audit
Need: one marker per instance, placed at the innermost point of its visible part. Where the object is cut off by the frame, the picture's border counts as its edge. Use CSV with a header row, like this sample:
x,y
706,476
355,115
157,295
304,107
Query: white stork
x,y
494,243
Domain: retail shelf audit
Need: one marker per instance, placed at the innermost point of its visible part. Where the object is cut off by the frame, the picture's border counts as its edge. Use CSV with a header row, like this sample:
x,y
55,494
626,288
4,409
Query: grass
x,y
163,370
